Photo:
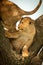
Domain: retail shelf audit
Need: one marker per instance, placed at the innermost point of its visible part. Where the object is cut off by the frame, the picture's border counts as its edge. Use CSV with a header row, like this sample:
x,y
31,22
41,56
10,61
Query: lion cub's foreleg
x,y
25,52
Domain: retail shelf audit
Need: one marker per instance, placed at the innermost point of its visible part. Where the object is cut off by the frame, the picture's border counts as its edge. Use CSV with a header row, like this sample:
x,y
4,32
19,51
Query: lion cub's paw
x,y
25,53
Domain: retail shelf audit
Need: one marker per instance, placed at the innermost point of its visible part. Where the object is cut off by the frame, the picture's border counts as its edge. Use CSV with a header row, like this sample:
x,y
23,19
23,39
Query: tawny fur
x,y
26,34
11,13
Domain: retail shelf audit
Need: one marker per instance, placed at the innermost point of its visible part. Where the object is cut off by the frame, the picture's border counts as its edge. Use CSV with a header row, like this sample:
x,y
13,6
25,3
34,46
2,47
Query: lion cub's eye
x,y
30,22
22,22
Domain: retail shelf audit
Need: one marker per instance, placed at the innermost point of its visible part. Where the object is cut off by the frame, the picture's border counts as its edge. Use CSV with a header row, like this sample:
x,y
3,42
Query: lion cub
x,y
27,32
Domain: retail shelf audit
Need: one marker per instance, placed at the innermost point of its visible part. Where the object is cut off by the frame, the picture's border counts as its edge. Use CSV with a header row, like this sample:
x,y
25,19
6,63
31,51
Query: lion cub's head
x,y
26,22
